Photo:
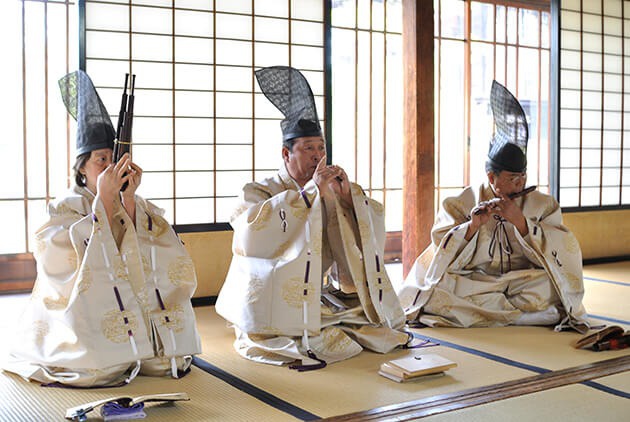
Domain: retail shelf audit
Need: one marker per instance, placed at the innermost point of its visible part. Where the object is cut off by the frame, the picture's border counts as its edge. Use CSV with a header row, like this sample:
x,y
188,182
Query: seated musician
x,y
499,257
307,280
112,296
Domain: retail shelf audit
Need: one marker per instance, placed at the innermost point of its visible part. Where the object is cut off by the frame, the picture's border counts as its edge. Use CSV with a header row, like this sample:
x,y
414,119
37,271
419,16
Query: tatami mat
x,y
484,356
210,400
569,403
613,271
608,301
234,389
347,386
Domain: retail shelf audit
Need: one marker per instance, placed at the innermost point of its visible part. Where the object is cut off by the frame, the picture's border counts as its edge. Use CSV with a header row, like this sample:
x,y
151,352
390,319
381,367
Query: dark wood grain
x,y
475,396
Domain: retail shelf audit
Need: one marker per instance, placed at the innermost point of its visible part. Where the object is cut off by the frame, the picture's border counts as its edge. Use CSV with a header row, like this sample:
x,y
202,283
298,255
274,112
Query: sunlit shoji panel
x,y
202,128
594,147
476,42
39,44
367,98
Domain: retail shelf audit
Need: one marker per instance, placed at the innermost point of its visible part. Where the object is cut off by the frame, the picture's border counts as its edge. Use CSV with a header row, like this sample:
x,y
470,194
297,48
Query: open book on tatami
x,y
415,366
125,401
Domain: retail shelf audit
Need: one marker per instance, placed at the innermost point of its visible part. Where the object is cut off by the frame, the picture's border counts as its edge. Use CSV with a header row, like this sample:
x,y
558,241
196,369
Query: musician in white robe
x,y
112,296
307,280
497,260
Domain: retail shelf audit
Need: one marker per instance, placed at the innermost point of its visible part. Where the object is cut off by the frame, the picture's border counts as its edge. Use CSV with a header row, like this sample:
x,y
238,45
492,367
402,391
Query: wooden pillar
x,y
418,147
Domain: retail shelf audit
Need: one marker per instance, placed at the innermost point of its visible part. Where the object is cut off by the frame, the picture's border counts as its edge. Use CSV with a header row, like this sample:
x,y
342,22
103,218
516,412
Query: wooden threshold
x,y
475,396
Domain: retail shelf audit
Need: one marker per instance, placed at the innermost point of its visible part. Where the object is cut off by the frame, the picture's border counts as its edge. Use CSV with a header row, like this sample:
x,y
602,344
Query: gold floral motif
x,y
254,287
114,327
299,213
121,271
142,299
85,279
40,330
571,244
175,315
159,225
146,265
55,304
335,341
262,218
181,270
293,291
575,282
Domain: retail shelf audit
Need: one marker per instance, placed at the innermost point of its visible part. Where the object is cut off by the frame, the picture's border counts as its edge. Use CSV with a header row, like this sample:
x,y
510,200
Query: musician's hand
x,y
135,177
332,181
479,216
111,180
108,185
508,210
134,173
322,178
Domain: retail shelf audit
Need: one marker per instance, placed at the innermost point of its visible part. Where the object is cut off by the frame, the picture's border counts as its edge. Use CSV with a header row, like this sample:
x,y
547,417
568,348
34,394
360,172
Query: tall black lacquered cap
x,y
289,91
508,148
94,126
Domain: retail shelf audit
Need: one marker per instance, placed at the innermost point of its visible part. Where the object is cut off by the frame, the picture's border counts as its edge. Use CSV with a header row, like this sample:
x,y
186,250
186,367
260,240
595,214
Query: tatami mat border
x,y
601,280
254,391
514,363
417,409
603,318
606,389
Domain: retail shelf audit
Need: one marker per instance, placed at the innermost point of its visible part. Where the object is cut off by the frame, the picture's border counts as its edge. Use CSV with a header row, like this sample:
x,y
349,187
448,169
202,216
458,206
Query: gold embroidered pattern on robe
x,y
175,316
571,244
121,272
114,327
293,291
299,213
55,304
85,279
335,340
574,281
262,219
159,226
40,330
181,270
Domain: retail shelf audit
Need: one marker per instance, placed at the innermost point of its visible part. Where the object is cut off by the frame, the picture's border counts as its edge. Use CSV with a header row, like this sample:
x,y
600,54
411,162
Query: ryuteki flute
x,y
511,196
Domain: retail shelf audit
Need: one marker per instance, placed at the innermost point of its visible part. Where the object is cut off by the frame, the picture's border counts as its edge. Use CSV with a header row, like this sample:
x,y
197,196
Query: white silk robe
x,y
460,283
108,300
286,247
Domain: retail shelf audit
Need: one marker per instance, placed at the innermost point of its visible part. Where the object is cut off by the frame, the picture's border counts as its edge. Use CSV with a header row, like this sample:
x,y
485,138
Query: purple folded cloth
x,y
114,411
